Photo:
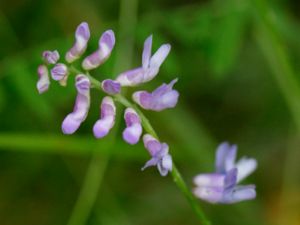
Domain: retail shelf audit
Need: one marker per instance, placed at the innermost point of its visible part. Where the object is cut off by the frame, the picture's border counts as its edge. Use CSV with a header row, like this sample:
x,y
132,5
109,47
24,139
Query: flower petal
x,y
240,193
225,157
151,144
245,167
43,82
210,180
209,194
111,87
51,57
159,56
131,77
147,52
133,131
59,71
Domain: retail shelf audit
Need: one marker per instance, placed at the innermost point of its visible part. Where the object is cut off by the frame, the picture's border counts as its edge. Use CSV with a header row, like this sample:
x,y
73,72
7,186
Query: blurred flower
x,y
106,45
159,152
59,71
111,87
161,98
82,35
43,82
133,130
107,118
51,57
72,122
221,187
150,65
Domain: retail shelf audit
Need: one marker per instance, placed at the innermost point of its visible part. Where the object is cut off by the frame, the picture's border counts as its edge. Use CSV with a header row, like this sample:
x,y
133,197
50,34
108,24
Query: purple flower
x,y
72,122
82,36
51,57
159,152
161,98
111,87
106,45
107,120
221,186
150,65
43,82
133,130
59,71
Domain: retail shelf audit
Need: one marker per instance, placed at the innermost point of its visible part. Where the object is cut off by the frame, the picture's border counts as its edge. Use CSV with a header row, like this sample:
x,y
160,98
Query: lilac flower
x,y
221,186
82,35
106,45
162,98
107,120
59,71
43,82
51,57
159,152
72,122
111,87
133,130
150,65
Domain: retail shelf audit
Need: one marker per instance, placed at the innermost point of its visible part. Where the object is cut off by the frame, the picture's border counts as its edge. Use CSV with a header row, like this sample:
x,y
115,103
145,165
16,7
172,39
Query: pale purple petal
x,y
239,193
151,162
159,56
43,82
111,87
51,57
73,120
225,157
245,167
131,77
209,194
147,52
165,165
210,180
107,118
59,71
82,36
106,45
151,144
133,130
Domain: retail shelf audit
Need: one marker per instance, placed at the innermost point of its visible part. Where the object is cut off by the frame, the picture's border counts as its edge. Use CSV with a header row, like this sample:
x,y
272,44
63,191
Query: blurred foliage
x,y
238,70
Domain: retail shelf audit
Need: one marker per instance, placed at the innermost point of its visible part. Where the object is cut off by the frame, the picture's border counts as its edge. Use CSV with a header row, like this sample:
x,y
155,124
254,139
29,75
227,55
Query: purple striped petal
x,y
133,130
59,71
111,87
51,57
106,45
82,36
73,120
107,118
43,82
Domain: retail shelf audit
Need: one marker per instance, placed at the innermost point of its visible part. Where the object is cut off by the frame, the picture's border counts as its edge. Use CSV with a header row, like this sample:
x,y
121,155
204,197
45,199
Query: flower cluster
x,y
222,186
163,97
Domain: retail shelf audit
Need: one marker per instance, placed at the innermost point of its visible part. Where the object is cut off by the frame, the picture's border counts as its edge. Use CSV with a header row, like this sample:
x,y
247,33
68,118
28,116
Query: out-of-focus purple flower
x,y
160,156
221,186
111,87
43,82
133,130
161,98
51,57
106,45
107,118
72,121
59,71
150,65
82,36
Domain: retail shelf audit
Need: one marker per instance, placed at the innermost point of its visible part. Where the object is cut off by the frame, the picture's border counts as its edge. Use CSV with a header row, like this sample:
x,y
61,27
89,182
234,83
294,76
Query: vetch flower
x,y
222,186
51,57
43,82
150,65
160,156
72,122
111,87
59,71
133,130
82,36
107,118
161,98
106,45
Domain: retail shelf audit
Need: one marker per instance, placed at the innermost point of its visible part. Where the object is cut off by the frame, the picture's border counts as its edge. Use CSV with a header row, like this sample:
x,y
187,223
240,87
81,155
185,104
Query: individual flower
x,y
59,71
82,36
150,65
51,57
72,122
106,45
222,186
107,118
133,130
161,98
159,152
43,82
111,87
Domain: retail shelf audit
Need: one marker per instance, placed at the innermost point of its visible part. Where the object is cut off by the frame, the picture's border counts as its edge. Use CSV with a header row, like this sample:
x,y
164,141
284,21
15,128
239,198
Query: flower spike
x,y
106,45
72,122
107,118
82,36
43,82
133,130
